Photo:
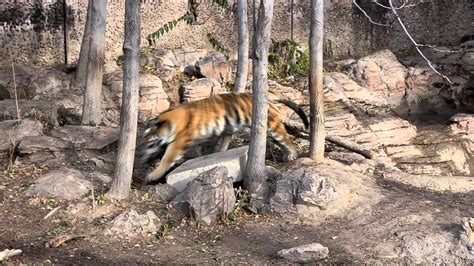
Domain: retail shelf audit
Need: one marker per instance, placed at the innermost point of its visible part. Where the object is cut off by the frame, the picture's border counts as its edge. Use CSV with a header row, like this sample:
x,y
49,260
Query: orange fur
x,y
176,129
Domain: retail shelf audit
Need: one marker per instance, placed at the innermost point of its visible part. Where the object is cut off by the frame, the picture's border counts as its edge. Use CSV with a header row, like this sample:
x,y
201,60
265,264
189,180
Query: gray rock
x,y
16,130
467,236
46,111
199,89
214,66
64,183
187,56
35,82
4,94
130,224
421,247
94,138
163,192
208,197
311,186
467,62
305,253
44,149
153,99
13,132
234,160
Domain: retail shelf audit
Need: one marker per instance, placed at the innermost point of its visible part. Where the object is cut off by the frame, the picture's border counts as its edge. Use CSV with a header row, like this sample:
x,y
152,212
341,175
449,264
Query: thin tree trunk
x,y
129,113
317,132
80,78
256,170
91,114
242,63
292,4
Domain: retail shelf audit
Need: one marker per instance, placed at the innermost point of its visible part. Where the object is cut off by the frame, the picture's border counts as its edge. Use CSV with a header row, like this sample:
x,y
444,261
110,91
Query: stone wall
x,y
32,30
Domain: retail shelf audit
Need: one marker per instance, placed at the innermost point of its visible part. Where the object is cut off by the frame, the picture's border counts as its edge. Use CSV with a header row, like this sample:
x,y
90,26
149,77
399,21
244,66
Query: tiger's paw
x,y
289,157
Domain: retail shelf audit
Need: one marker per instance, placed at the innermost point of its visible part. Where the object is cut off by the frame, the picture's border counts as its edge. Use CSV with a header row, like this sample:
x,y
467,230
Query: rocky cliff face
x,y
34,32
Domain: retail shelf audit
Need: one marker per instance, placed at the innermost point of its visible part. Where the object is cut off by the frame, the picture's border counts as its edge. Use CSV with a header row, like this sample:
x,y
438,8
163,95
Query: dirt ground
x,y
353,237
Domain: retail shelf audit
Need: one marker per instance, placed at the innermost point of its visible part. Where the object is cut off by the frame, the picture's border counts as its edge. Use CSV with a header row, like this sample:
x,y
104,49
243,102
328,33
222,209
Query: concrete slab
x,y
234,160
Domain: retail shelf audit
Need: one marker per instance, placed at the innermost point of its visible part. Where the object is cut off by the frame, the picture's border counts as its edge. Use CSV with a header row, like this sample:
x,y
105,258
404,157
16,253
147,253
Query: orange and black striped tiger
x,y
174,131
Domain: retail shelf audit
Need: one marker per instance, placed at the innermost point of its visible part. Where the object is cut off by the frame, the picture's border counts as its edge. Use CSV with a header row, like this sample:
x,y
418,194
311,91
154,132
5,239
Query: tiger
x,y
171,134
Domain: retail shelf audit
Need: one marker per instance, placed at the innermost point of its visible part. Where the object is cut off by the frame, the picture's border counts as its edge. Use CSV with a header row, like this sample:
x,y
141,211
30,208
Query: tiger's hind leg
x,y
173,153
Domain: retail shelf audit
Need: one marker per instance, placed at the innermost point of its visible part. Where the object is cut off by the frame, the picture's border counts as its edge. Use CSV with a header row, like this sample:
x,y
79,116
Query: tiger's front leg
x,y
173,153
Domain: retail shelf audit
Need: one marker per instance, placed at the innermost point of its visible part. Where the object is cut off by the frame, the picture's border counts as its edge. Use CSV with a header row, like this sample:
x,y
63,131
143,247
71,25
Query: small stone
x,y
305,253
131,224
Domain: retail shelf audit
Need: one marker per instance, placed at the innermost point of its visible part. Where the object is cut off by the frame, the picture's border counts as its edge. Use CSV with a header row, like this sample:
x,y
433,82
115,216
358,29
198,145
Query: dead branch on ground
x,y
297,129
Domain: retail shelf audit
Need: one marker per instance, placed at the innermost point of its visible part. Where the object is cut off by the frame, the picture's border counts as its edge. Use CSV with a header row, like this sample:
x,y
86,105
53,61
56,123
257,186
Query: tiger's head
x,y
155,140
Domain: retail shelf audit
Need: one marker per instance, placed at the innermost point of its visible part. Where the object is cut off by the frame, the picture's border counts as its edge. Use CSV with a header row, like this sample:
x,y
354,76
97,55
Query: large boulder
x,y
382,73
35,82
309,186
88,137
199,89
340,87
309,189
64,183
45,111
434,153
463,124
188,56
13,132
214,66
234,160
467,62
43,149
153,99
424,92
208,197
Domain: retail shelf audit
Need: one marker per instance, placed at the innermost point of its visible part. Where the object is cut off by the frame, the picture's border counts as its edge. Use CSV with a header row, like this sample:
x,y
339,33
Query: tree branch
x,y
297,129
368,17
417,46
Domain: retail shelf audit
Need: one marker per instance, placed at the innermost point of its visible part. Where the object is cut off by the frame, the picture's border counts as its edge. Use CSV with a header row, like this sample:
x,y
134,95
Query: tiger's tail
x,y
277,97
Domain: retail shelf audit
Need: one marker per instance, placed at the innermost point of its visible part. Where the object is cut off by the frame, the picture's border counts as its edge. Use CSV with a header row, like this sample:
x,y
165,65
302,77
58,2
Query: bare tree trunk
x,y
129,114
243,60
256,170
81,71
95,62
317,132
292,5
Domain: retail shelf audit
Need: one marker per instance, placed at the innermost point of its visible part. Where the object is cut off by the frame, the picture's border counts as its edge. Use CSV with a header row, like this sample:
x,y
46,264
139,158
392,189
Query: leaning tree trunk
x,y
81,71
95,62
256,170
243,49
317,132
129,114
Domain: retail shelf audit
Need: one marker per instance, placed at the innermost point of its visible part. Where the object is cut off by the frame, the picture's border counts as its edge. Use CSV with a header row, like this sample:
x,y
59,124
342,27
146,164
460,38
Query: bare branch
x,y
298,130
417,46
404,5
368,17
